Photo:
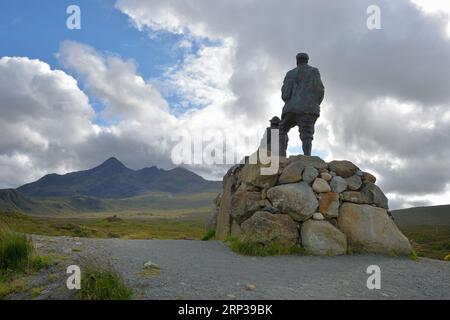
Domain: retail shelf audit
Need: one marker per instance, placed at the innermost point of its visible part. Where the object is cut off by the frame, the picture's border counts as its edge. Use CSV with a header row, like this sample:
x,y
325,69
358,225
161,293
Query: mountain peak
x,y
112,162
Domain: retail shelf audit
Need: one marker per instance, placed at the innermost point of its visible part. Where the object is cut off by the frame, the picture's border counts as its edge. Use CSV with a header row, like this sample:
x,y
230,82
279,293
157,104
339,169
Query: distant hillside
x,y
114,180
423,216
13,201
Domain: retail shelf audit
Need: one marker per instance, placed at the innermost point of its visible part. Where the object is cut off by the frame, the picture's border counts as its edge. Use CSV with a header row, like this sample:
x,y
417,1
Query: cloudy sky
x,y
141,75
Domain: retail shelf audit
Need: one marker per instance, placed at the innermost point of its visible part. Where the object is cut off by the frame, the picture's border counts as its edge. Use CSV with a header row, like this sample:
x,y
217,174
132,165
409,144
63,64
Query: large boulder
x,y
368,178
370,229
322,238
251,175
292,173
306,161
338,184
244,204
345,168
297,200
310,174
354,197
329,205
224,216
373,195
266,228
354,182
321,186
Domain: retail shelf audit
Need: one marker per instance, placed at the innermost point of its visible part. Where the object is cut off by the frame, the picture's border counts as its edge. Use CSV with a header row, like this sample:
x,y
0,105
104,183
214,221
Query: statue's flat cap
x,y
302,56
275,120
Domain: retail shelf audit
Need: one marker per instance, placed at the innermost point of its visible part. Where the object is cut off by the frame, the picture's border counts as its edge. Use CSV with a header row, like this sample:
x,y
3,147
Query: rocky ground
x,y
209,270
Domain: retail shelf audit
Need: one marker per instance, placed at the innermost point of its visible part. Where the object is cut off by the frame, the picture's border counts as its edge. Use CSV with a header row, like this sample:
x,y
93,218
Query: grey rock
x,y
344,168
326,176
338,184
306,161
244,204
373,195
296,199
322,238
318,216
251,175
223,228
310,174
354,183
292,173
354,197
321,186
267,228
329,205
368,178
151,265
371,230
271,209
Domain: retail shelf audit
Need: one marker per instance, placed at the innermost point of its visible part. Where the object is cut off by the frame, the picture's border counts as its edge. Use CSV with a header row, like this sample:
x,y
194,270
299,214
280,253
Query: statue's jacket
x,y
303,90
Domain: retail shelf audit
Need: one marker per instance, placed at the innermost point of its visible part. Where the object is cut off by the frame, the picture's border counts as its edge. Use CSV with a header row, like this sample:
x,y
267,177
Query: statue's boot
x,y
307,147
283,143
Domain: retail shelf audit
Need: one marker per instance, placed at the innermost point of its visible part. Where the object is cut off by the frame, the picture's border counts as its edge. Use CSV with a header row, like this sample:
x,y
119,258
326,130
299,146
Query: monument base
x,y
326,208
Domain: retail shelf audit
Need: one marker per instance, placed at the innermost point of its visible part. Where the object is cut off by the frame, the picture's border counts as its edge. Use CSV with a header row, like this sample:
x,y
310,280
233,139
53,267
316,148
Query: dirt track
x,y
209,270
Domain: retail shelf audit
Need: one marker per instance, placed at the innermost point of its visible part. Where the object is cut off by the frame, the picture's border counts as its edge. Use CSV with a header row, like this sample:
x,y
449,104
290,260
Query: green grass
x,y
10,286
156,228
152,202
15,251
429,241
102,282
36,292
18,259
209,235
257,249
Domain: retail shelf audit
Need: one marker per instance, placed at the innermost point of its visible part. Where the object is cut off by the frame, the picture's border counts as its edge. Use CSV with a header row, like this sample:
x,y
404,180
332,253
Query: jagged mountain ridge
x,y
112,179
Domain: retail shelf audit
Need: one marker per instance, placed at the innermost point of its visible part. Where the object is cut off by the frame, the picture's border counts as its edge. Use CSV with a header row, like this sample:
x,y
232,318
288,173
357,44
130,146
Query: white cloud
x,y
43,115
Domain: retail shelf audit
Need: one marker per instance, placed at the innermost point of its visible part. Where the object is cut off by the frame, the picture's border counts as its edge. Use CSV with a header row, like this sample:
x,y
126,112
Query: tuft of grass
x,y
209,235
414,256
38,262
15,251
248,248
8,286
36,292
18,259
102,282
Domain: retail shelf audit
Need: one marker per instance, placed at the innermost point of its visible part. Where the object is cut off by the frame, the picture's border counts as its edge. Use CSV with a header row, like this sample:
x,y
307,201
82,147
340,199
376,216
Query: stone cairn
x,y
327,208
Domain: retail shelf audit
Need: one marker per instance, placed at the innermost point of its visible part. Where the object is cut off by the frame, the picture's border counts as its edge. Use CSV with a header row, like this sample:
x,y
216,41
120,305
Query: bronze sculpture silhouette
x,y
302,92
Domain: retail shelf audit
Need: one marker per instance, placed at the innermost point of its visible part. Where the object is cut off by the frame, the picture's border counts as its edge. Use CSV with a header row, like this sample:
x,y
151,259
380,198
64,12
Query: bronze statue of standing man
x,y
303,92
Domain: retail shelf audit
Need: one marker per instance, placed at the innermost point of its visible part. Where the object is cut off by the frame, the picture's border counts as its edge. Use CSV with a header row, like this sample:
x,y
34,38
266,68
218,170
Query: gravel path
x,y
209,270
